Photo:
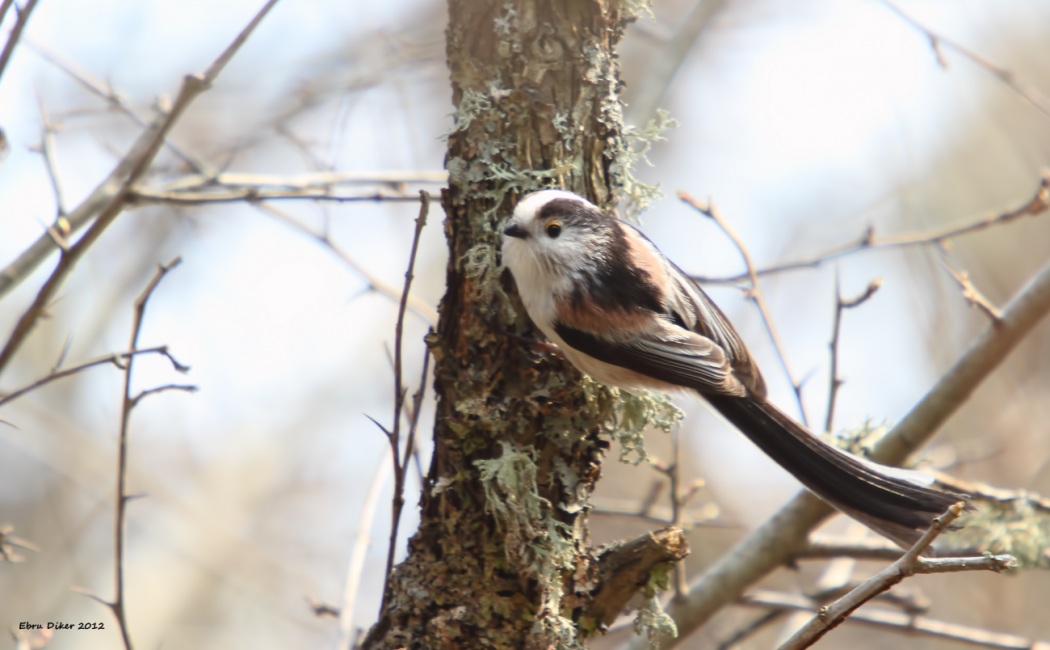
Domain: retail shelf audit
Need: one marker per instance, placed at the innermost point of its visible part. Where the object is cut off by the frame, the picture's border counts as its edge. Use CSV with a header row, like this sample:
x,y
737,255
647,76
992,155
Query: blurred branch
x,y
773,543
937,41
109,95
21,20
359,549
752,628
842,305
900,621
118,359
47,150
753,291
909,564
701,516
314,180
661,68
420,308
147,196
869,241
822,548
109,199
971,293
9,542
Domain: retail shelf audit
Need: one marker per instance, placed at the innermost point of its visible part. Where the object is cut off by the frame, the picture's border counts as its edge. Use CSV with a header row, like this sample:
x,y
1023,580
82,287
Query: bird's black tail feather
x,y
899,504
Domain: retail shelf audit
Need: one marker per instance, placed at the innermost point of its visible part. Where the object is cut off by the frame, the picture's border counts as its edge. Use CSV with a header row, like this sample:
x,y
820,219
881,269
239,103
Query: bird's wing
x,y
668,353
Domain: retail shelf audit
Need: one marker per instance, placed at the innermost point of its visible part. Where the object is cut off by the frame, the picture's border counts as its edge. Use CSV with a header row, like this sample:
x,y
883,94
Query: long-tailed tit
x,y
627,316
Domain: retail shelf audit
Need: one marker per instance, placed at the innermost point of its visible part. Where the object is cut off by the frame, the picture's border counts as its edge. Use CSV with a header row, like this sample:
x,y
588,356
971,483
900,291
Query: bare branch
x,y
842,304
753,291
118,359
870,241
971,293
822,548
900,621
145,196
128,404
186,388
909,564
108,200
111,97
624,566
1029,93
21,20
47,150
398,500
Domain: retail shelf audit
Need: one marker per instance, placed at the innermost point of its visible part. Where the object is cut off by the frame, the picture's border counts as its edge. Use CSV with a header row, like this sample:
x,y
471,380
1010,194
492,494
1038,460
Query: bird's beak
x,y
513,229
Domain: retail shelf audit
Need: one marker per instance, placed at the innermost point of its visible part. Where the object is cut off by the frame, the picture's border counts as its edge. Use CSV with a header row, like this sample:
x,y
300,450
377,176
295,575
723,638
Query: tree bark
x,y
501,557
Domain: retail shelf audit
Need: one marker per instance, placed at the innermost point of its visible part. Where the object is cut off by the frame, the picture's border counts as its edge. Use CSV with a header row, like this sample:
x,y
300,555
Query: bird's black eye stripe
x,y
553,229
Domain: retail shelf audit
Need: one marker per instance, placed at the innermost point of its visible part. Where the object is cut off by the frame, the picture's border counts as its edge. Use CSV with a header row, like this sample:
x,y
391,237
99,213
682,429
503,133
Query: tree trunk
x,y
501,558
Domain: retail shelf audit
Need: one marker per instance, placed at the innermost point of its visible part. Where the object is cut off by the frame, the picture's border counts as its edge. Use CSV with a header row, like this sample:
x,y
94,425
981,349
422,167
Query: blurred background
x,y
807,122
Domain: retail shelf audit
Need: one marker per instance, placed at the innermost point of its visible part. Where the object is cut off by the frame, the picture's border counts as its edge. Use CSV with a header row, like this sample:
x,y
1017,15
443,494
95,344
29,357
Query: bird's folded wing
x,y
670,354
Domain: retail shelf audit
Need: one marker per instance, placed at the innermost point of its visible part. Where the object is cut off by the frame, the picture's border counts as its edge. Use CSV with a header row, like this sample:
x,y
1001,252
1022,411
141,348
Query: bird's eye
x,y
553,229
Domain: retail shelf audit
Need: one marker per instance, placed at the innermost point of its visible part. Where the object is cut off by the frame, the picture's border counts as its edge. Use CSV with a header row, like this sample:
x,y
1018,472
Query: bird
x,y
628,317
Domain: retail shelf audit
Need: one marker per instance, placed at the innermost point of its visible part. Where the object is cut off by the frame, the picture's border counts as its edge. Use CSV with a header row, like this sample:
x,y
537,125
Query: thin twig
x,y
1029,93
971,293
842,305
118,359
900,621
398,499
21,20
416,410
108,200
835,578
753,291
129,402
47,150
9,542
870,241
185,388
909,564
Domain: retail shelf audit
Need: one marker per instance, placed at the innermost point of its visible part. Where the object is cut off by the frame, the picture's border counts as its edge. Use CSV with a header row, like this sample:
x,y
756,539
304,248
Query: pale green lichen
x,y
652,621
1017,525
471,105
638,143
635,9
535,541
630,415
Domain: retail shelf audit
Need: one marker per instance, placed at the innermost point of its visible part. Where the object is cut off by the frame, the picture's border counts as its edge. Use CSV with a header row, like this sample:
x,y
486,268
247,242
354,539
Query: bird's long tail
x,y
897,503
